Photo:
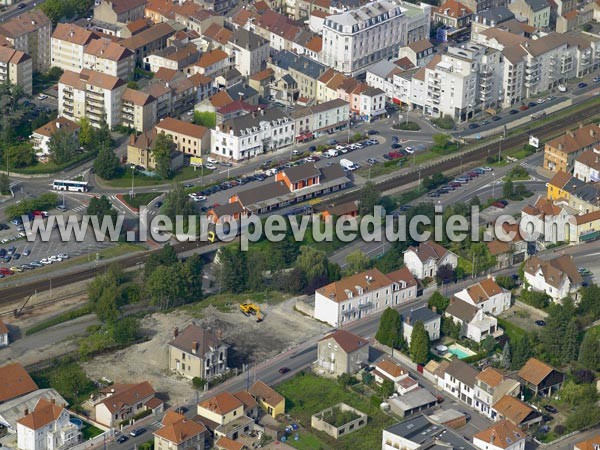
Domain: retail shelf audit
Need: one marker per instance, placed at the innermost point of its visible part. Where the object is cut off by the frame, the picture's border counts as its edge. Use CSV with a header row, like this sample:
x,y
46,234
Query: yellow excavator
x,y
252,309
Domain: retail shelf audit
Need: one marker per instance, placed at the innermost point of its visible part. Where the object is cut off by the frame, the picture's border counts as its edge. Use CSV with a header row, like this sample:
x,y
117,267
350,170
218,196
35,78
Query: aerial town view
x,y
300,224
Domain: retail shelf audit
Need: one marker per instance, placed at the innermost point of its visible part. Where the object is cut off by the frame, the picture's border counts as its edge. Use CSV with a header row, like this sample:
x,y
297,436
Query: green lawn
x,y
141,199
307,394
379,169
513,331
90,431
307,441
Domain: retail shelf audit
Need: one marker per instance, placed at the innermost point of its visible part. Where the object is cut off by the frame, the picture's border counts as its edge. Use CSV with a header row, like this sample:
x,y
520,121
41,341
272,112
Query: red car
x,y
524,108
499,205
5,271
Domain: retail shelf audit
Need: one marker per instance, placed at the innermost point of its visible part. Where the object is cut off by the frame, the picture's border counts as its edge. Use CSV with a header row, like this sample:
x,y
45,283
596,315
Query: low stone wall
x,y
306,305
318,423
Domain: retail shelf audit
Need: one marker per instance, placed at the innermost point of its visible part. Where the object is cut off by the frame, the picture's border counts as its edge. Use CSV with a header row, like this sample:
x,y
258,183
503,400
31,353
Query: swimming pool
x,y
459,351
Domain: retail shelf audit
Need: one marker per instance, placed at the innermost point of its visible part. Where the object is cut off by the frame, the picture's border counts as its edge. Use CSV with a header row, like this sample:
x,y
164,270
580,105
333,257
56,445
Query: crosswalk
x,y
528,166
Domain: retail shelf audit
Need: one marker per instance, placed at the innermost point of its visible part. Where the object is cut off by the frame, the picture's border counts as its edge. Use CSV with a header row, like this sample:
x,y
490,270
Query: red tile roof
x,y
45,412
14,382
347,341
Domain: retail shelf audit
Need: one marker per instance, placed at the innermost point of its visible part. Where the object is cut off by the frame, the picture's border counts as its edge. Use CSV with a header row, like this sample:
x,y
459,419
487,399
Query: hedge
x,y
64,317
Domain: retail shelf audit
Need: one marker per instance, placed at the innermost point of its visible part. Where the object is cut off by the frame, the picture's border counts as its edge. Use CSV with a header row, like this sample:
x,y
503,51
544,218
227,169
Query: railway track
x,y
12,294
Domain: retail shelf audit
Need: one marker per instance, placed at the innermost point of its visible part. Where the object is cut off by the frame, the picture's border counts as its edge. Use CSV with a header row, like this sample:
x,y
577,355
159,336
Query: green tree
x,y
390,329
589,351
101,206
177,203
488,344
166,256
387,388
367,378
65,10
63,145
107,164
357,262
369,198
506,356
133,85
163,145
125,330
20,155
70,381
439,302
233,269
570,344
441,140
86,134
206,119
475,201
585,414
419,343
4,184
508,189
589,304
313,263
521,352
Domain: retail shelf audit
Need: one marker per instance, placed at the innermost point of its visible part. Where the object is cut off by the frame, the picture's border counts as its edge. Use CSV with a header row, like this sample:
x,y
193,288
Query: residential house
x,y
179,433
139,153
557,277
588,444
68,43
419,432
403,382
3,334
250,404
540,378
190,139
430,319
268,399
486,295
172,57
535,12
261,81
303,75
580,196
502,251
221,409
16,382
419,53
372,104
490,387
356,296
90,94
106,56
224,443
378,29
16,68
250,51
253,134
119,11
197,352
587,166
503,435
213,63
453,14
47,427
587,227
560,153
514,410
29,33
320,119
120,402
139,110
477,323
12,411
342,352
149,41
424,260
459,381
41,137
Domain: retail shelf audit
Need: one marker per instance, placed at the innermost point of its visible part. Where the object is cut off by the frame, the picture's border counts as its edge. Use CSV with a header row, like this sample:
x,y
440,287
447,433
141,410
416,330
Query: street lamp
x,y
500,150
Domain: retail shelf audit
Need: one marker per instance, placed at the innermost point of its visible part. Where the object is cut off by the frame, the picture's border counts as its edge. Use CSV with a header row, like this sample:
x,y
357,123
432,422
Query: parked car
x,y
524,108
210,166
158,204
499,205
372,132
137,431
496,118
514,111
541,100
122,439
532,104
582,85
550,409
472,126
284,370
596,79
540,323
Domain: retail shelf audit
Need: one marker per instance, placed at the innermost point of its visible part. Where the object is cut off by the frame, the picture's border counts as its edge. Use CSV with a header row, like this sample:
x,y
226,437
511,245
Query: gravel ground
x,y
251,343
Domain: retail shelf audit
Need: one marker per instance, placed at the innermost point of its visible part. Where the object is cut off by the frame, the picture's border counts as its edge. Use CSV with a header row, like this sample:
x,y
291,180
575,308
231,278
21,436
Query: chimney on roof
x,y
580,124
53,401
57,124
132,141
194,347
71,33
176,330
434,308
560,146
219,334
26,411
408,319
592,132
570,133
262,111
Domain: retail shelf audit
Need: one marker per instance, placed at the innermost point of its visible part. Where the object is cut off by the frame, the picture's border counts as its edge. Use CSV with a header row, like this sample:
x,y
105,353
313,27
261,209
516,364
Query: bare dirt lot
x,y
251,342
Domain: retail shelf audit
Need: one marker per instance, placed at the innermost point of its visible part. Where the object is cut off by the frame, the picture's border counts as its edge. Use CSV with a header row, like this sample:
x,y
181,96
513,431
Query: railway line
x,y
16,293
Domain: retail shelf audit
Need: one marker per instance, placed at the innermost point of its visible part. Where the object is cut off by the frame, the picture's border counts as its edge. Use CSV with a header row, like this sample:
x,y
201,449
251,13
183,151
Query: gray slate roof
x,y
249,121
247,39
423,314
537,5
286,60
424,433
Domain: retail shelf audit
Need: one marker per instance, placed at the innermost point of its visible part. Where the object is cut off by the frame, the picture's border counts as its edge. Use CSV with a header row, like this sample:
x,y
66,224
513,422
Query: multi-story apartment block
x,y
197,352
453,14
139,111
302,70
47,427
250,51
357,296
119,11
459,381
188,138
355,39
68,44
149,41
106,56
172,58
253,134
93,95
478,6
535,12
30,33
16,68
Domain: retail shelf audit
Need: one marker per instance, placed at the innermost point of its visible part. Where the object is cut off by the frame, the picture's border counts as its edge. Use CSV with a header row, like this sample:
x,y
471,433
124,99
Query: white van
x,y
331,153
348,165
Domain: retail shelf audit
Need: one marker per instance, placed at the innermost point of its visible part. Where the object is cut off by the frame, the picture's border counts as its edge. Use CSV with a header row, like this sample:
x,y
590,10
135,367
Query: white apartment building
x,y
90,94
16,68
459,381
111,58
371,104
29,33
253,134
249,50
365,293
47,427
320,119
556,277
68,43
355,39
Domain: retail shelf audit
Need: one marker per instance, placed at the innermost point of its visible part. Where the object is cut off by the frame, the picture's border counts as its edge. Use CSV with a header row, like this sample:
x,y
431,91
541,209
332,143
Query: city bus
x,y
70,185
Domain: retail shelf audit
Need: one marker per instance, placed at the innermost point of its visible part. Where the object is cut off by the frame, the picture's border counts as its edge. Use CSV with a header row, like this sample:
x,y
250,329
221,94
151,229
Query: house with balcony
x,y
486,295
29,32
107,56
490,387
47,427
139,110
479,325
16,68
459,381
342,352
197,352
